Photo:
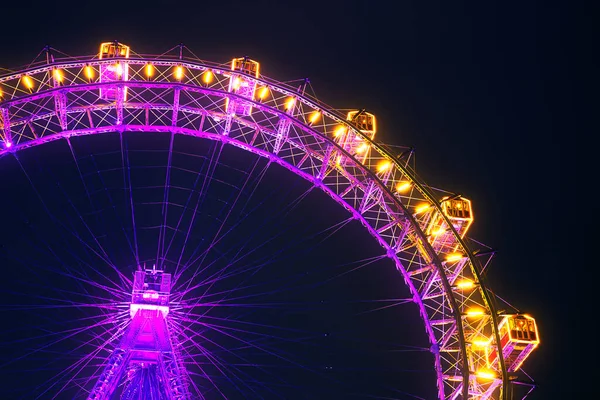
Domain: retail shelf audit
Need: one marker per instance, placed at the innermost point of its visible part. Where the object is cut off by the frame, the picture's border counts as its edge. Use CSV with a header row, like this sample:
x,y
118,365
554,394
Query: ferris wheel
x,y
181,229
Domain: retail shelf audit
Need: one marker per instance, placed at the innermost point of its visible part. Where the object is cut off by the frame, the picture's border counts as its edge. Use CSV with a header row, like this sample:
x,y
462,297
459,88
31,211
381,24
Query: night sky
x,y
485,93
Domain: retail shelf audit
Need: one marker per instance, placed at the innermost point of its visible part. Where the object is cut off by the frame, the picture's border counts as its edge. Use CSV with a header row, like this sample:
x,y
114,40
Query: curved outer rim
x,y
382,153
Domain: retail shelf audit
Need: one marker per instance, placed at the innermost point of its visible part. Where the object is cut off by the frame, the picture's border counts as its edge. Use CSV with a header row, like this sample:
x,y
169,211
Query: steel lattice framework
x,y
62,98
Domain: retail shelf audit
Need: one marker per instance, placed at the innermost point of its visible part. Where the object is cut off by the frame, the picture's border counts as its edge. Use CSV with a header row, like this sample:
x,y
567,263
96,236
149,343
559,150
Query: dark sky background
x,y
486,92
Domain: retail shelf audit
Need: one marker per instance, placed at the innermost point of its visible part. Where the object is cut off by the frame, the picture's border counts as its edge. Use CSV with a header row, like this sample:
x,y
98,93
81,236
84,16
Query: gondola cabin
x,y
239,84
113,49
459,212
364,121
114,71
246,66
355,143
518,338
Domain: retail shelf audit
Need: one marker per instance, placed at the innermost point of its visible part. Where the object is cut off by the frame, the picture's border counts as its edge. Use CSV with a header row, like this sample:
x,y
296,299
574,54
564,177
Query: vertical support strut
x,y
120,99
325,164
174,117
283,128
60,98
5,126
60,104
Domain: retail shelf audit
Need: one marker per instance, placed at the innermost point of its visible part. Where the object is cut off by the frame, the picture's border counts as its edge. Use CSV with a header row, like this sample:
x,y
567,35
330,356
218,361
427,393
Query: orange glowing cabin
x,y
364,121
459,212
113,49
245,65
115,71
241,86
518,338
353,143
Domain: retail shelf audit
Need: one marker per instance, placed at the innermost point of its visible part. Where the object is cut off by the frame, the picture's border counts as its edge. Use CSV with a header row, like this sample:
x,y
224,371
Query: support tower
x,y
145,364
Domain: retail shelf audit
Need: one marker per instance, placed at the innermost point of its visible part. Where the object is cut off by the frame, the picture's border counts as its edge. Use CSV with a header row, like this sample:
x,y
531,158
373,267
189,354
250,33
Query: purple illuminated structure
x,y
474,351
146,357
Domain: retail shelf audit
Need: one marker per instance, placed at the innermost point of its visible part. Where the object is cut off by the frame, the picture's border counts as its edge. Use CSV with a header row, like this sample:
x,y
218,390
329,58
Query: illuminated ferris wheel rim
x,y
452,365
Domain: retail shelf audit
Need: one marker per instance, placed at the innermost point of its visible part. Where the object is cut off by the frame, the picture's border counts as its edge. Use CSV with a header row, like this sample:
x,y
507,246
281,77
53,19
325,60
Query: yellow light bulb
x,y
58,75
118,69
475,312
362,148
149,70
403,186
28,82
438,232
237,82
207,77
454,257
465,284
383,166
263,92
422,208
481,343
314,117
339,131
289,103
89,72
485,373
178,72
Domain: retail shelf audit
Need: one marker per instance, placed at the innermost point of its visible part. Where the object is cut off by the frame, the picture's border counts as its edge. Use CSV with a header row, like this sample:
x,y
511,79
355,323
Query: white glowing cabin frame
x,y
241,86
151,289
117,71
518,338
459,212
354,143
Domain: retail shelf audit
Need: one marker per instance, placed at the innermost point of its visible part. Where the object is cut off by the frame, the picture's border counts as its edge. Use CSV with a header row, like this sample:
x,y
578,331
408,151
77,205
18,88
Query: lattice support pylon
x,y
145,359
